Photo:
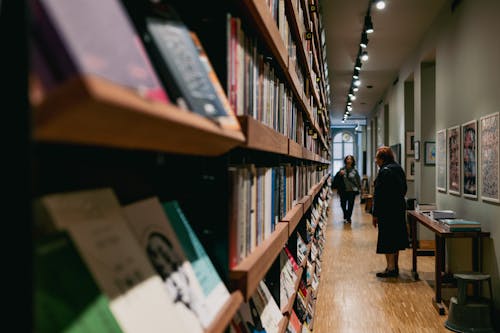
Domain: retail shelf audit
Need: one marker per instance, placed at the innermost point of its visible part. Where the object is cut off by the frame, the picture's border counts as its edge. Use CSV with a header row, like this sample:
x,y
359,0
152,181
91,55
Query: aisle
x,y
351,299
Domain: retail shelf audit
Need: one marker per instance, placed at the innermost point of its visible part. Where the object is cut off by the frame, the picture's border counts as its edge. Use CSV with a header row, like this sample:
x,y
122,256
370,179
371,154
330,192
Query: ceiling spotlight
x,y
364,40
357,82
349,103
380,4
368,24
353,98
358,65
364,56
355,75
349,109
355,89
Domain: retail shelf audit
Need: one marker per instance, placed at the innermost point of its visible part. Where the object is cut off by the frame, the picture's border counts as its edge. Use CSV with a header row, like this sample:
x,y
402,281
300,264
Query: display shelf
x,y
251,270
306,202
294,149
227,313
293,217
287,310
92,111
261,137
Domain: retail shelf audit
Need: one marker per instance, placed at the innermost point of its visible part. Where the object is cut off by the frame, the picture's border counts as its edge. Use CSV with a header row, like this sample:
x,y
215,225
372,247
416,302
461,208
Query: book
x,y
95,222
294,324
80,38
442,214
189,276
214,290
458,225
66,297
269,312
247,319
177,60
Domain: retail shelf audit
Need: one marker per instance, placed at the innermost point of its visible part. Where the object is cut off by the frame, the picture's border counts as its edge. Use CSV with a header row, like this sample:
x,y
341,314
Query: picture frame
x,y
396,149
489,157
440,159
430,153
469,159
410,139
454,160
416,148
410,168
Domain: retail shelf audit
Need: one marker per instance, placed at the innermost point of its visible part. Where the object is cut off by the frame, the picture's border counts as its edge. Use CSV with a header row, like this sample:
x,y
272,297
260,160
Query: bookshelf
x,y
91,112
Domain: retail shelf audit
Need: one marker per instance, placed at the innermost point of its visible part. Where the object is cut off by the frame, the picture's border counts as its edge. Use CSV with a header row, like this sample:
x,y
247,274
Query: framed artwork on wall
x,y
454,161
440,159
410,138
489,157
469,159
410,168
416,148
430,152
396,149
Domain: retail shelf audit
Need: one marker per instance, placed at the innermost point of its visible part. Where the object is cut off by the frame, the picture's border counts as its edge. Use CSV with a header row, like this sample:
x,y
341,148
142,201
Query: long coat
x,y
389,206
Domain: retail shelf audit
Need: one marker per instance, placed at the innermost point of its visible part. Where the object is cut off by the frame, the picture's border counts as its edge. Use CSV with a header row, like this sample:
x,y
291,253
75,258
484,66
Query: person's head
x,y
349,161
162,255
384,155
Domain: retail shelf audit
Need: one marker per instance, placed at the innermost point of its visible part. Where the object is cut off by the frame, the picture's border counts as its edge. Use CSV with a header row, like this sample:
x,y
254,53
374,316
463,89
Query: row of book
x,y
260,197
143,46
134,268
265,313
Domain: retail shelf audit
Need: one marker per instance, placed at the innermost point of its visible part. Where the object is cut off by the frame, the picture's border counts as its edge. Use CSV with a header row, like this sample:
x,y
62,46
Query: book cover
x,y
95,221
294,324
247,319
66,297
269,312
152,229
80,38
214,290
460,222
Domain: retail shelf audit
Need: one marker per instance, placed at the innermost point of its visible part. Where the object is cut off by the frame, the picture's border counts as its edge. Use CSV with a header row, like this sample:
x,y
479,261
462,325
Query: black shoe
x,y
388,273
349,221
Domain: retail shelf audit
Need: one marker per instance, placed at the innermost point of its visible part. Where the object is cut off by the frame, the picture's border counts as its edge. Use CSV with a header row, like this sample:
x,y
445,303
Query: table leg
x,y
437,301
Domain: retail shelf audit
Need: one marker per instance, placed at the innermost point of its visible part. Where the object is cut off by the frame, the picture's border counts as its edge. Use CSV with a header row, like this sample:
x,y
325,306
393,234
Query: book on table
x,y
461,225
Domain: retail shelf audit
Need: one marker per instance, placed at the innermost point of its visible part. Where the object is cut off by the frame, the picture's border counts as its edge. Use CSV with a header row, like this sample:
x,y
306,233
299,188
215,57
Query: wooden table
x,y
441,234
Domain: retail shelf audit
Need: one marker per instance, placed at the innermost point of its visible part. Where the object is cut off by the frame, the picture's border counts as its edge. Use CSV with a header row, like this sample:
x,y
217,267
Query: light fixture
x,y
364,40
358,64
368,24
357,82
353,98
355,89
380,4
355,75
364,56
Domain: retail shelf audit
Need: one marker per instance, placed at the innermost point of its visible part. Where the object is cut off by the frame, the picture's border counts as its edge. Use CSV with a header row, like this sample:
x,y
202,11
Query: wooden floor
x,y
352,299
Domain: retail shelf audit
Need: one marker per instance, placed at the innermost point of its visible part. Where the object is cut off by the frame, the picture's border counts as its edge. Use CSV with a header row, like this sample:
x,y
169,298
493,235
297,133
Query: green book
x,y
66,297
452,222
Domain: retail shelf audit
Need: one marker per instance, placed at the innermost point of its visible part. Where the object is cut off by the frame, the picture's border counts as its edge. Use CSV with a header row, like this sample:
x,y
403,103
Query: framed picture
x,y
416,148
454,161
396,149
430,152
410,137
489,157
410,168
439,159
469,159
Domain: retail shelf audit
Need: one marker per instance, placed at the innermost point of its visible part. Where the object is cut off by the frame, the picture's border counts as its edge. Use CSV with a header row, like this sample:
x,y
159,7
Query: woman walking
x,y
348,183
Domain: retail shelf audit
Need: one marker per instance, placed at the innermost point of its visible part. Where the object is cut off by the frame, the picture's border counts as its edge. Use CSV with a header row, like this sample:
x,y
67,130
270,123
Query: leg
x,y
438,271
343,203
396,261
350,202
413,225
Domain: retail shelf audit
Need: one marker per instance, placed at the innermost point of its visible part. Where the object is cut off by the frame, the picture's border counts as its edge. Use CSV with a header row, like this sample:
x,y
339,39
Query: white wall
x,y
467,80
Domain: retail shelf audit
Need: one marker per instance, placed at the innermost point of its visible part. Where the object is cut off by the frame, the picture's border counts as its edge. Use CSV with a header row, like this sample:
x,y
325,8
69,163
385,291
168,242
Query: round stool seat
x,y
472,276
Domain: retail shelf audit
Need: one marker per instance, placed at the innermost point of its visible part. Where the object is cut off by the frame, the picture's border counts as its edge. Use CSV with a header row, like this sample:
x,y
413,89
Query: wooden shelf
x,y
283,325
293,216
306,202
92,111
227,313
248,273
265,23
261,137
294,149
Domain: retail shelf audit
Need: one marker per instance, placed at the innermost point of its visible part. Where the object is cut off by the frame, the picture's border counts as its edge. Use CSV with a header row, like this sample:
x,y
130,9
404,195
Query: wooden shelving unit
x,y
261,137
292,218
248,273
92,111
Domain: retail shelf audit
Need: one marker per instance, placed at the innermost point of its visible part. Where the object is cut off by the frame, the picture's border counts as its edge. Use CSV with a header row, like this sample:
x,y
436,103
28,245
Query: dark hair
x,y
385,153
353,160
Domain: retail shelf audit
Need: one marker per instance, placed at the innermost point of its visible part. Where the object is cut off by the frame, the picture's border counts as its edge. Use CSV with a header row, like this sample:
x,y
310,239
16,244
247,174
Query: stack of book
x,y
425,207
442,214
461,225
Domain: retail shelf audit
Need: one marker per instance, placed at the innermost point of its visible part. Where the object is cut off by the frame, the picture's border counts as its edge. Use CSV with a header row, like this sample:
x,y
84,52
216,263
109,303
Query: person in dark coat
x,y
389,210
348,184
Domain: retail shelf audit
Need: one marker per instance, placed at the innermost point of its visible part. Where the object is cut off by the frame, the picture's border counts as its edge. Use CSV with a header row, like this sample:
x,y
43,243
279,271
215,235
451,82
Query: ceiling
x,y
398,29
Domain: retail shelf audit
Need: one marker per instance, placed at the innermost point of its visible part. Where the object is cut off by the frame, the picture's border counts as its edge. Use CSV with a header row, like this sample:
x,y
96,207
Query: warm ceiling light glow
x,y
355,89
380,4
357,83
368,24
364,56
364,40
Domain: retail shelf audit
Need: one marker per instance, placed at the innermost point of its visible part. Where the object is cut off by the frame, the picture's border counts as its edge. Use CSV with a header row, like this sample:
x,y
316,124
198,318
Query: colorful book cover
x,y
95,221
214,290
94,37
66,297
294,324
269,312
